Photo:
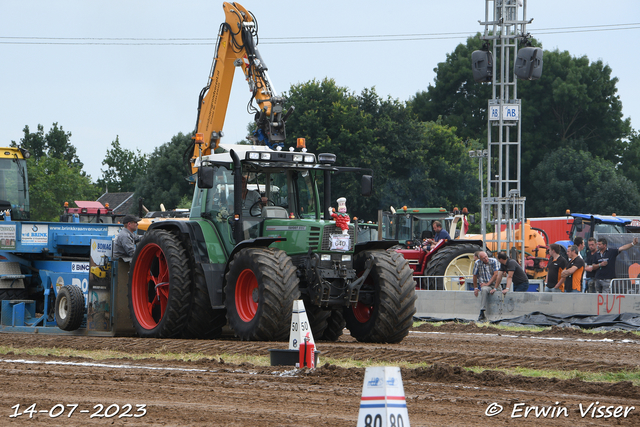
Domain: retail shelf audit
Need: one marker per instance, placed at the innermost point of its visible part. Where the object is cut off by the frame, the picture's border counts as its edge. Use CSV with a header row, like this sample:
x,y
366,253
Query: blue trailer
x,y
46,267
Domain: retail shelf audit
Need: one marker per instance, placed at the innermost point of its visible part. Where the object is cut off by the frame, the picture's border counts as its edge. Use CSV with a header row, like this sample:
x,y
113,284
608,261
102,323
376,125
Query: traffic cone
x,y
301,337
383,403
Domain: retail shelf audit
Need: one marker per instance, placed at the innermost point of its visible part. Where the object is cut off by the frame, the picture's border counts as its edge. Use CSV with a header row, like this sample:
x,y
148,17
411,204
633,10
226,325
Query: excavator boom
x,y
236,47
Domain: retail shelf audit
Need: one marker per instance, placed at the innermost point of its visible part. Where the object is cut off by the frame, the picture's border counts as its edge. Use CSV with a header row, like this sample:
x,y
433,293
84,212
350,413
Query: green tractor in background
x,y
243,263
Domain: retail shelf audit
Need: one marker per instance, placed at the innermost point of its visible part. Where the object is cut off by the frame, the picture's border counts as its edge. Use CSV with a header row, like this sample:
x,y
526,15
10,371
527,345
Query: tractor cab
x,y
14,184
587,226
254,192
410,226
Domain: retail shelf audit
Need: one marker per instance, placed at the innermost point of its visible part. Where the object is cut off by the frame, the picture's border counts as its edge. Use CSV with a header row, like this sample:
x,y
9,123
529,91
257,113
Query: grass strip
x,y
238,359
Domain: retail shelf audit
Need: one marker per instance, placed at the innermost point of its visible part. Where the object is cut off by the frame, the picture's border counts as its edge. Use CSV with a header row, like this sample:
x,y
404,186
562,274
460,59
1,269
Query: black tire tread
x,y
75,311
204,322
277,278
440,261
178,305
395,303
335,326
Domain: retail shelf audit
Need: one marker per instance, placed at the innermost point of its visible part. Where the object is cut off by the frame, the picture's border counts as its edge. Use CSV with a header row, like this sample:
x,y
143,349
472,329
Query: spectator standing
x,y
486,278
124,245
573,273
555,266
606,264
590,260
515,274
579,242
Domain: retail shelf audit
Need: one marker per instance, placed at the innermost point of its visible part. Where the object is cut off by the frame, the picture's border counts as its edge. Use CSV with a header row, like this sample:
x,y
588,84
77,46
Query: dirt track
x,y
213,392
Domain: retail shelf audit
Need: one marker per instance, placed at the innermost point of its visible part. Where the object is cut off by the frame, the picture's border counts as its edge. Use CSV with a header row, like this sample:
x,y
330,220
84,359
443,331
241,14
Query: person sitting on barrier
x,y
606,264
124,245
555,282
573,273
591,259
515,274
486,271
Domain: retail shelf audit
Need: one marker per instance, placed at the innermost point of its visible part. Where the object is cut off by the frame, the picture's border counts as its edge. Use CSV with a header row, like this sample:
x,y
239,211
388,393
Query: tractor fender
x,y
188,228
373,245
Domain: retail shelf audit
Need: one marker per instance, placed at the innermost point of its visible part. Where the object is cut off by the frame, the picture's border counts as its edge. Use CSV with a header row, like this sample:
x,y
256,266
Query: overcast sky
x,y
56,65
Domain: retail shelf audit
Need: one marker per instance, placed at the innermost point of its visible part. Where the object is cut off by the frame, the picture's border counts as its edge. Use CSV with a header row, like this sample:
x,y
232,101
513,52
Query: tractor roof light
x,y
327,158
25,153
301,144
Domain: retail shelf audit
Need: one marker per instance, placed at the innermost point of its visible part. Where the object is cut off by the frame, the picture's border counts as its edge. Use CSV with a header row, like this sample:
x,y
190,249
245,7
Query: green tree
x,y
575,180
55,172
630,159
574,104
51,183
413,163
164,180
54,144
123,167
455,96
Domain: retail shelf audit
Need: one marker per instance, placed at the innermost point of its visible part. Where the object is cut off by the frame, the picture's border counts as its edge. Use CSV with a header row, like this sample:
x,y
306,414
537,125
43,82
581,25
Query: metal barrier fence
x,y
625,286
448,283
462,283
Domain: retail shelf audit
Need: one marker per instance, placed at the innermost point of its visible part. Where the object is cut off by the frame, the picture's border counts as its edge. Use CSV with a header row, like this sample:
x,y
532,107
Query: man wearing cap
x,y
124,244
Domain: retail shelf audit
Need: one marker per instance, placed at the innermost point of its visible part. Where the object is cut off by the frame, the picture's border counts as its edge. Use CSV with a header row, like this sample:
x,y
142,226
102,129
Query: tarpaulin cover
x,y
627,321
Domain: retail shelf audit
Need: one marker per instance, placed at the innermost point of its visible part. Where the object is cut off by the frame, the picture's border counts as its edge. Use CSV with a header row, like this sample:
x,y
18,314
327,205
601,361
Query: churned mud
x,y
214,392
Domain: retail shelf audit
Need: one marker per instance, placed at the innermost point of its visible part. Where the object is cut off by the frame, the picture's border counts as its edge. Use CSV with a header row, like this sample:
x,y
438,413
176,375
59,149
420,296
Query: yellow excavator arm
x,y
236,47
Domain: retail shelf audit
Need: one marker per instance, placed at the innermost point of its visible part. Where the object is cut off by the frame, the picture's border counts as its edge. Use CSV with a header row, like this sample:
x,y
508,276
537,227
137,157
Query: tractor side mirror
x,y
205,177
367,185
472,219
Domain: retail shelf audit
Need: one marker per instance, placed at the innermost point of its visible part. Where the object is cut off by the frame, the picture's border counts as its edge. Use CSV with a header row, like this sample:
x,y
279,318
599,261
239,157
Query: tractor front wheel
x,y
261,285
384,312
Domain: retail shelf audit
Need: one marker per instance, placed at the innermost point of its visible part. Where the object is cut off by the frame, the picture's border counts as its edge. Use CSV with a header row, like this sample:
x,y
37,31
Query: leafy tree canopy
x,y
55,172
51,183
574,104
123,167
413,163
54,144
576,180
164,179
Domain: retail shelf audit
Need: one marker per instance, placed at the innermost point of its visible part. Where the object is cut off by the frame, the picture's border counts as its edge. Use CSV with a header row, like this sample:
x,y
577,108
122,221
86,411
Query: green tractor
x,y
244,256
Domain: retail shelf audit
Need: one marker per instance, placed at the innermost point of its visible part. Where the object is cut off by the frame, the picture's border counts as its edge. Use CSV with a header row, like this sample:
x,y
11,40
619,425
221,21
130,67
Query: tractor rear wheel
x,y
452,261
318,319
159,286
335,326
384,312
204,322
326,325
69,308
261,285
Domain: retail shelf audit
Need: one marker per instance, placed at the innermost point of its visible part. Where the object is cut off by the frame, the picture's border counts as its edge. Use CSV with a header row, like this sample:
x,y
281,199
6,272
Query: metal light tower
x,y
502,202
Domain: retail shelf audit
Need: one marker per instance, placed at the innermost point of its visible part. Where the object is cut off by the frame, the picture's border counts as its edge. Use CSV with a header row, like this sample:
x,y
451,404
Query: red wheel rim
x,y
150,286
247,295
362,312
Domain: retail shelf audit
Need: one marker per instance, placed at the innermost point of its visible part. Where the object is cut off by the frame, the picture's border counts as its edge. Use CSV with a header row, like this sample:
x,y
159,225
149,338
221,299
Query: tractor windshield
x,y
14,185
403,226
285,193
586,230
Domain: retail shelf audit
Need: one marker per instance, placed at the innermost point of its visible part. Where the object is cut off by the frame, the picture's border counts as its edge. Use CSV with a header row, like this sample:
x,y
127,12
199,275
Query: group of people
x,y
562,275
487,277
